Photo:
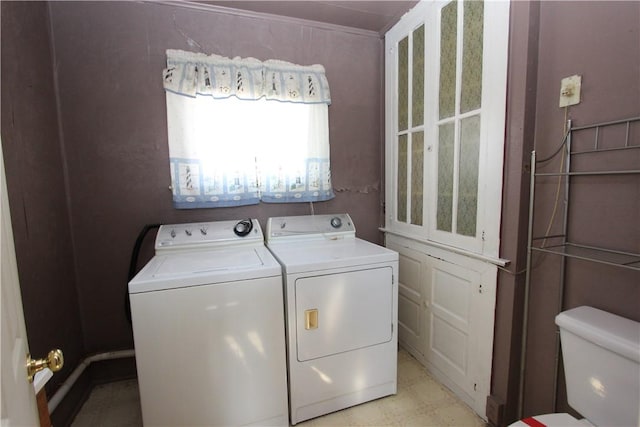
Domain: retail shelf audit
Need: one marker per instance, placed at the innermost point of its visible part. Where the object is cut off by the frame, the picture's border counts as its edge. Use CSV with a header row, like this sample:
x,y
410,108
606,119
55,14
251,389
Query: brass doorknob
x,y
54,361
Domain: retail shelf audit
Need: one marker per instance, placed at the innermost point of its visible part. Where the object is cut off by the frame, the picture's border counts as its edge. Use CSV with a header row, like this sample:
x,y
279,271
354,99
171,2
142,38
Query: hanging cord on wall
x,y
562,144
133,264
559,187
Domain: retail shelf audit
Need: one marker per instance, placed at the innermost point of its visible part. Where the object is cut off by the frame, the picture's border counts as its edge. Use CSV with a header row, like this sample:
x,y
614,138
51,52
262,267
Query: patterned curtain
x,y
241,131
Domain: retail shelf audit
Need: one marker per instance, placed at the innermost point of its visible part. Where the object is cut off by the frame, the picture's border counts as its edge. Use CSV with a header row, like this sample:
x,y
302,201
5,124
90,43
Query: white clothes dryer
x,y
341,298
208,326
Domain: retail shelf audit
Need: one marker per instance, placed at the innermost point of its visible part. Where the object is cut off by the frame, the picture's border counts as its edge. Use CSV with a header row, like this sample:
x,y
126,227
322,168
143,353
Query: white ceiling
x,y
374,15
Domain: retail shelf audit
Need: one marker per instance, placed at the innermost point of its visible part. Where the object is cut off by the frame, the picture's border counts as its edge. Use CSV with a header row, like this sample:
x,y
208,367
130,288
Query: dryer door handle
x,y
311,319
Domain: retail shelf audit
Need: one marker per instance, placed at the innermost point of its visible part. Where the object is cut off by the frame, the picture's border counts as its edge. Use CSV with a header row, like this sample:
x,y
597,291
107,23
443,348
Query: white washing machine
x,y
341,298
208,328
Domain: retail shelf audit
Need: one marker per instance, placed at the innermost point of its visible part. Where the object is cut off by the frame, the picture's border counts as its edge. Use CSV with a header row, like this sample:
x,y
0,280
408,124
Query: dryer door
x,y
341,312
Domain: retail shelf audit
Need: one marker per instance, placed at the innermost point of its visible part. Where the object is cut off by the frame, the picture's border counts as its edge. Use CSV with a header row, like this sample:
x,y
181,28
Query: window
x,y
243,131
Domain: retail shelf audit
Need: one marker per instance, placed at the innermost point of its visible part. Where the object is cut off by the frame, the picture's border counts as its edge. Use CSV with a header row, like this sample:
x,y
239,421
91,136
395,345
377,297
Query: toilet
x,y
601,353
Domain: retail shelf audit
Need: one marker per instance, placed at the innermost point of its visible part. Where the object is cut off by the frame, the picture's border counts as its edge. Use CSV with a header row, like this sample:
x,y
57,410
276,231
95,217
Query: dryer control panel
x,y
199,235
310,227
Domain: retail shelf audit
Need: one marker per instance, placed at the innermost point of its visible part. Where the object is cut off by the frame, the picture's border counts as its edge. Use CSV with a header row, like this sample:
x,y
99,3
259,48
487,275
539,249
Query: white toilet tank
x,y
601,353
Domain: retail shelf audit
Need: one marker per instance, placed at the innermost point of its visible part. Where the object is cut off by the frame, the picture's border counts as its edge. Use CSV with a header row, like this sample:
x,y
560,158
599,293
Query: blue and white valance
x,y
242,131
191,74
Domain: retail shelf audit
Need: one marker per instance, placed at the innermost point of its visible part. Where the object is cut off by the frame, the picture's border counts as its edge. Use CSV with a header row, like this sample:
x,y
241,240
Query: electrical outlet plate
x,y
570,90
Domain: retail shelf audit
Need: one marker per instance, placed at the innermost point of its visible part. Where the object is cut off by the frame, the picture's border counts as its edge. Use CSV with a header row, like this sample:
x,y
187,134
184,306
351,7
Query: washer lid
x,y
314,255
184,269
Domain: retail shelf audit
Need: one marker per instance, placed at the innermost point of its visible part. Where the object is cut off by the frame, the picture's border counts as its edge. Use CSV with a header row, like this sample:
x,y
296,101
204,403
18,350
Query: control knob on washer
x,y
244,227
336,222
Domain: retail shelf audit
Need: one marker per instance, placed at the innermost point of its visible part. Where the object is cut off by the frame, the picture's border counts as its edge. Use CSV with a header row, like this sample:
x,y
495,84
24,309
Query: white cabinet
x,y
446,316
445,91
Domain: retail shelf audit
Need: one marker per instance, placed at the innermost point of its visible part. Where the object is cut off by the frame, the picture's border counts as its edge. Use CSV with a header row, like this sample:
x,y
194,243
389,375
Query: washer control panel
x,y
310,226
204,234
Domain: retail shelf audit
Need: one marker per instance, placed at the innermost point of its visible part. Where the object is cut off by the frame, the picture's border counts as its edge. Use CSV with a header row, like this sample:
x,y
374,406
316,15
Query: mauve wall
x,y
601,42
36,186
109,59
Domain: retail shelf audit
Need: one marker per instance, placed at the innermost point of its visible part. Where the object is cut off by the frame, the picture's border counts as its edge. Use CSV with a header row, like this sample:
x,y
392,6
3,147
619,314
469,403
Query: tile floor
x,y
420,401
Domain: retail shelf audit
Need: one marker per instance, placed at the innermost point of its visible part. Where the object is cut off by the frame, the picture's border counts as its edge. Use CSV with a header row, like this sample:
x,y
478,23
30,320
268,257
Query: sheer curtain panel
x,y
241,131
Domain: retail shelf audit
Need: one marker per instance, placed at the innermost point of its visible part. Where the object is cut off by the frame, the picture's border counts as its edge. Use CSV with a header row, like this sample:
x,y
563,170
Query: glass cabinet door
x,y
459,108
446,90
410,128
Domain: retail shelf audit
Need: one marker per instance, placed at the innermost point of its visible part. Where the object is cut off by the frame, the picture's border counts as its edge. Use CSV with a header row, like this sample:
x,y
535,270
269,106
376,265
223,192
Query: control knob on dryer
x,y
336,222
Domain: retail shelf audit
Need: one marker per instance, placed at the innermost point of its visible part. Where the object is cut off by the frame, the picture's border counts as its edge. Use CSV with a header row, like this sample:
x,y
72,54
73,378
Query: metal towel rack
x,y
562,245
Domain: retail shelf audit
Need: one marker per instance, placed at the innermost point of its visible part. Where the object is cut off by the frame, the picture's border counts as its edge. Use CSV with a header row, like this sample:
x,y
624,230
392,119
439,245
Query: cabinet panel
x,y
410,302
452,296
409,322
451,293
449,347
